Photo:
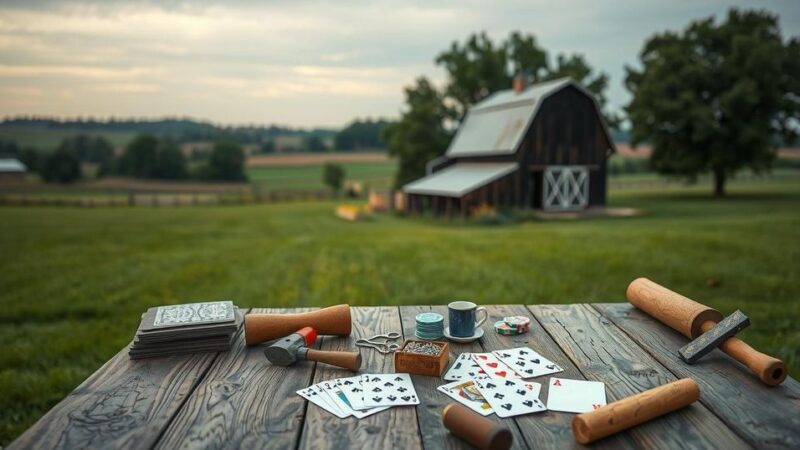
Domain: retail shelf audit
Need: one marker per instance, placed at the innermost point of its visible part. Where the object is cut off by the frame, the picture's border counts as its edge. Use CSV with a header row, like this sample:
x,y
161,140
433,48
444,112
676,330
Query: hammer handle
x,y
771,371
346,360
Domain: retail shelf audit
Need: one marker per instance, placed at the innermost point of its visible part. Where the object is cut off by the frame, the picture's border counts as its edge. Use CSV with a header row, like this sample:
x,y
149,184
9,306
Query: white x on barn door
x,y
566,188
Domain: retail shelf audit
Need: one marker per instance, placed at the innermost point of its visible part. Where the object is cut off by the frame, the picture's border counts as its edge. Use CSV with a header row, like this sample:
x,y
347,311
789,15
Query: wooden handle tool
x,y
345,360
634,410
692,319
334,320
476,429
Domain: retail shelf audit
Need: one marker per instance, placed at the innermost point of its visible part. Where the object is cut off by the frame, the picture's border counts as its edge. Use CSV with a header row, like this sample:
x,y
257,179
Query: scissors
x,y
383,346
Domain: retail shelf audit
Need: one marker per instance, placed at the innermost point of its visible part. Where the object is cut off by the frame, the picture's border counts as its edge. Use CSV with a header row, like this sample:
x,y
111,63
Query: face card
x,y
526,362
336,391
390,389
465,393
313,395
464,368
493,367
511,397
576,396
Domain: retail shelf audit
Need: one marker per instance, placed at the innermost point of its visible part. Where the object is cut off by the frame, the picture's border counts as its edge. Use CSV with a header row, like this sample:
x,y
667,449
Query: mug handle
x,y
485,316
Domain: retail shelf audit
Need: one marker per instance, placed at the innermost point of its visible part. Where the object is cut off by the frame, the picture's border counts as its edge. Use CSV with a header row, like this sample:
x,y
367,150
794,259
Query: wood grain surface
x,y
395,428
243,402
766,417
602,352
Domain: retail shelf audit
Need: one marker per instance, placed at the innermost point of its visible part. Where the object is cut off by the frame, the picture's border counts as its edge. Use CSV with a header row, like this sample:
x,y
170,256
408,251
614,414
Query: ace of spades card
x,y
388,389
526,362
511,397
493,367
464,368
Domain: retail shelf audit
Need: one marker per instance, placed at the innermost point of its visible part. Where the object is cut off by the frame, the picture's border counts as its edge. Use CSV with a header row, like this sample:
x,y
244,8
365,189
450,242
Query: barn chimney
x,y
520,82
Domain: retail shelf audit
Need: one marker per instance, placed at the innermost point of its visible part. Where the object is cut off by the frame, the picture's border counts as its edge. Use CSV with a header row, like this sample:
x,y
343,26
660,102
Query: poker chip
x,y
430,326
517,321
501,327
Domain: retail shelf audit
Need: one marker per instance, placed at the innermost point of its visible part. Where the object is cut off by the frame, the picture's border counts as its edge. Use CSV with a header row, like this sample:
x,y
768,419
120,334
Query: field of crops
x,y
74,281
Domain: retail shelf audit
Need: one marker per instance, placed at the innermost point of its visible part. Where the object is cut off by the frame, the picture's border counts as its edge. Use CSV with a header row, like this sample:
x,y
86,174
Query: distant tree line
x,y
146,157
361,135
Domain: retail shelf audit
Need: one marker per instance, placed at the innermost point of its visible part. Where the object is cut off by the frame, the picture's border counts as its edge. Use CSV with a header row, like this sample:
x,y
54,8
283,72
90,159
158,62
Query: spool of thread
x,y
476,429
631,411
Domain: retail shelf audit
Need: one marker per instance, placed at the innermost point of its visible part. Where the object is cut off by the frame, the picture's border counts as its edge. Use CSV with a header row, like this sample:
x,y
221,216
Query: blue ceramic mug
x,y
462,318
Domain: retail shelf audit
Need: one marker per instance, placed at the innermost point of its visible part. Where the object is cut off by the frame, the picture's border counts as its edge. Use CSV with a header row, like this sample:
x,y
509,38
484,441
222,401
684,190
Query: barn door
x,y
566,188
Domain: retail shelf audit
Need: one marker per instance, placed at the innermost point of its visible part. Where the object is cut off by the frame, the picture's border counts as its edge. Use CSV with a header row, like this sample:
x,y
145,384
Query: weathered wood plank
x,y
549,429
125,404
602,352
766,417
429,412
243,402
390,429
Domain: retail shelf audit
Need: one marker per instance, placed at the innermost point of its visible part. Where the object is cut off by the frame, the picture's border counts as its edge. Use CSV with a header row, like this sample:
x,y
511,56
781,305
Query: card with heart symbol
x,y
390,389
526,362
463,368
493,367
576,396
510,397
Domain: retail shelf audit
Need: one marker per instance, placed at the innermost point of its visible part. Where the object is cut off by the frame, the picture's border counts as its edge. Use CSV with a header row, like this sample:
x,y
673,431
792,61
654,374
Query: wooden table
x,y
237,399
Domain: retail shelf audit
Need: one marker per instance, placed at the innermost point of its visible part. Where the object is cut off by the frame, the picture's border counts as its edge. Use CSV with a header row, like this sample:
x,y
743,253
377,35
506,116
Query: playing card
x,y
317,397
465,393
575,396
464,368
493,367
354,391
390,389
526,362
336,391
510,397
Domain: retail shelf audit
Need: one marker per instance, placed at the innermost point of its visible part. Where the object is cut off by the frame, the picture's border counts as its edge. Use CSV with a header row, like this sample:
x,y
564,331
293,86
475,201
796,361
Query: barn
x,y
543,146
12,170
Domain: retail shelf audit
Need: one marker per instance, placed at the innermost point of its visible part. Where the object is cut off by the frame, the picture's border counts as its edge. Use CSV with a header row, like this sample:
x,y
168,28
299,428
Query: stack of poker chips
x,y
430,326
512,325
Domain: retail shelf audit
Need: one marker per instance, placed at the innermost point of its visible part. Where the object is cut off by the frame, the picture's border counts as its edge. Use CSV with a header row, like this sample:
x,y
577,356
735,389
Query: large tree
x,y
475,69
716,97
420,134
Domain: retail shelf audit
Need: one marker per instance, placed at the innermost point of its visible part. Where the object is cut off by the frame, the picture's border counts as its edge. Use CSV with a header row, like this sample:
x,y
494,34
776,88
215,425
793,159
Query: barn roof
x,y
497,124
12,165
459,179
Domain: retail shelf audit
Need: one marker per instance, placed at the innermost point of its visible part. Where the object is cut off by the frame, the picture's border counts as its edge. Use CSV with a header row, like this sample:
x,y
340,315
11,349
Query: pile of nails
x,y
423,348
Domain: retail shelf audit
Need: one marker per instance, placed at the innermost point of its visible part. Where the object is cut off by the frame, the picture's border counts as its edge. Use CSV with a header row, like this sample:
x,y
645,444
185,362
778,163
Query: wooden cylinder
x,y
345,360
629,412
771,371
265,327
479,431
678,312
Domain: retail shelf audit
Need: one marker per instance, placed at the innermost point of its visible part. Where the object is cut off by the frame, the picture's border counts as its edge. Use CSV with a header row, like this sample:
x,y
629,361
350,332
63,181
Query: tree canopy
x,y
360,135
715,97
333,176
227,162
61,166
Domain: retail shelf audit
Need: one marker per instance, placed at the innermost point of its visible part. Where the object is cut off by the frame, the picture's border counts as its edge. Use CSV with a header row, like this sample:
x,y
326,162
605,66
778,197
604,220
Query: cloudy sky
x,y
300,63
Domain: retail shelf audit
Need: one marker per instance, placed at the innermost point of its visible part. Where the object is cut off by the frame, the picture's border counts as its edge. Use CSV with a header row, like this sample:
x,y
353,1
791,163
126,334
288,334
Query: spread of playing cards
x,y
362,395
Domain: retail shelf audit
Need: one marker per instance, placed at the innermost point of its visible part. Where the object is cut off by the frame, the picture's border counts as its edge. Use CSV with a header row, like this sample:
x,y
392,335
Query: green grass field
x,y
48,139
376,175
73,282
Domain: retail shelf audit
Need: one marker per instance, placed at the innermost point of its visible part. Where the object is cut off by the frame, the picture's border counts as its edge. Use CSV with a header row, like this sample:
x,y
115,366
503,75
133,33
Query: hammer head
x,y
709,340
284,351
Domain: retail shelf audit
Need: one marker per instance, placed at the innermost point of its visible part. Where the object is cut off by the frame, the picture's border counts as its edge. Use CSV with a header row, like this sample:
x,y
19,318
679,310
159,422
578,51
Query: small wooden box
x,y
431,365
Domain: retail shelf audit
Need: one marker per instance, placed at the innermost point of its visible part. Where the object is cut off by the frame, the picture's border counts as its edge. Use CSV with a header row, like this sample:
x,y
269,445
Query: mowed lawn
x,y
73,282
378,175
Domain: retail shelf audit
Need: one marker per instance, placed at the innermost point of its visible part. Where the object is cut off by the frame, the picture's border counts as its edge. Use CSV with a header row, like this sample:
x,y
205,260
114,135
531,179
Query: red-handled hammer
x,y
294,347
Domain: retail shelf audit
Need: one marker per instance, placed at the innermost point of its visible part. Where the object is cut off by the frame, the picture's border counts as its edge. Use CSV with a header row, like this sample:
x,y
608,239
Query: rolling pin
x,y
631,411
266,327
692,319
476,429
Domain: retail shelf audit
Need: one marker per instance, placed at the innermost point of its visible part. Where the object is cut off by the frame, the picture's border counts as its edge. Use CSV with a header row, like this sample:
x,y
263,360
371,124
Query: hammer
x,y
706,327
294,347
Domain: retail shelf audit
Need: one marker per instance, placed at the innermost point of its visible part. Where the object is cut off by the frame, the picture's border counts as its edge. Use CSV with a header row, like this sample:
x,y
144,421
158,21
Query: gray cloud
x,y
300,62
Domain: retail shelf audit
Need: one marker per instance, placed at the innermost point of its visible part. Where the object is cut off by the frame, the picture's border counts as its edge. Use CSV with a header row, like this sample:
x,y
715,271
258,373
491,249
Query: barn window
x,y
566,188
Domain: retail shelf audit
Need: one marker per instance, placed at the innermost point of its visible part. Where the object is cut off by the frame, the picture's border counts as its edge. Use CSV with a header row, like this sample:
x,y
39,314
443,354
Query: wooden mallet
x,y
706,326
334,320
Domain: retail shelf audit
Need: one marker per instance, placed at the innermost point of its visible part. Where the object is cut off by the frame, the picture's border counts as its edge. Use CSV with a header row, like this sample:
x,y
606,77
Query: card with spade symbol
x,y
493,367
388,389
526,362
462,392
464,368
335,388
315,395
510,397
